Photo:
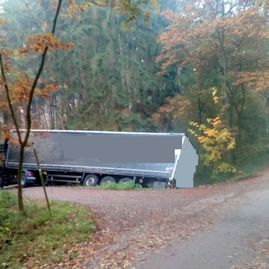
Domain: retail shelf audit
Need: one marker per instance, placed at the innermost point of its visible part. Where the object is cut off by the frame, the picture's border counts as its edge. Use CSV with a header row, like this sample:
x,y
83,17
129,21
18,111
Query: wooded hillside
x,y
192,66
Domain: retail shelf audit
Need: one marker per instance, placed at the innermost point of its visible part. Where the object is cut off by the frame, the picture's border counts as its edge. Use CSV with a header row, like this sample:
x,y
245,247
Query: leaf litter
x,y
133,224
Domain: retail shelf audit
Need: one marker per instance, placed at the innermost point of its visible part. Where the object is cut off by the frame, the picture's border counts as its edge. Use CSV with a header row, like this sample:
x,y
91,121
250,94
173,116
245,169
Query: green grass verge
x,y
36,238
120,186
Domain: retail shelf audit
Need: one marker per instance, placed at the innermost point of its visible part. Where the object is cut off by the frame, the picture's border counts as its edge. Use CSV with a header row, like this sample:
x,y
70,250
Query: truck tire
x,y
107,179
90,180
125,180
23,180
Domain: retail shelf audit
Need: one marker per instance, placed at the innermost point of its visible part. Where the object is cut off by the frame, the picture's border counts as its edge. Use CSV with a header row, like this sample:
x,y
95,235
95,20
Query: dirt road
x,y
222,226
239,240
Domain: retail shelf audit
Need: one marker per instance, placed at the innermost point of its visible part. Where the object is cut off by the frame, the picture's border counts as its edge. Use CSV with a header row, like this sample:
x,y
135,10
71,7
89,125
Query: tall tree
x,y
214,44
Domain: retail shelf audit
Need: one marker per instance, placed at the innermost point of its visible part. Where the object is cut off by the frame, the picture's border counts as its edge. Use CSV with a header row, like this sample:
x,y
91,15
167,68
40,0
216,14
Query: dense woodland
x,y
194,66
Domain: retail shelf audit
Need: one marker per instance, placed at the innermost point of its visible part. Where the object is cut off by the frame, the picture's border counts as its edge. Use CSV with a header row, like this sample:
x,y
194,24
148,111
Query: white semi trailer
x,y
97,157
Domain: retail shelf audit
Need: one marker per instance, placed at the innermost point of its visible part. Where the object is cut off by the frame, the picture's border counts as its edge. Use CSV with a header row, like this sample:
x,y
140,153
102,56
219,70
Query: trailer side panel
x,y
107,153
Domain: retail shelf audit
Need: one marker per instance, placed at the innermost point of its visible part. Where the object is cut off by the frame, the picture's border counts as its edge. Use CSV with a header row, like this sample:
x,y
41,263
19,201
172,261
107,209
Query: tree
x,y
117,89
217,44
26,89
216,141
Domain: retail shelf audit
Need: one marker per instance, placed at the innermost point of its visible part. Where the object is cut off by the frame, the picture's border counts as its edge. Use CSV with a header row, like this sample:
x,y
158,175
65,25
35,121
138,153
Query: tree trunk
x,y
19,177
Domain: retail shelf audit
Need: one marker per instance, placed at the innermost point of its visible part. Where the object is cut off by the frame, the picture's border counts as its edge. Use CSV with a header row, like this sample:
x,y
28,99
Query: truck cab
x,y
9,176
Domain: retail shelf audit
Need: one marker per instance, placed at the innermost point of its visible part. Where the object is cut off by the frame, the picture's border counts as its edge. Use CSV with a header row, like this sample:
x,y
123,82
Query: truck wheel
x,y
107,179
23,180
46,180
90,180
125,180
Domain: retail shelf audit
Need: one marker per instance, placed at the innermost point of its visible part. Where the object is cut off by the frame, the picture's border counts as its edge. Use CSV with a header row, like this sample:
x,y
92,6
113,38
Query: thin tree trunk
x,y
228,97
221,39
42,179
19,177
199,110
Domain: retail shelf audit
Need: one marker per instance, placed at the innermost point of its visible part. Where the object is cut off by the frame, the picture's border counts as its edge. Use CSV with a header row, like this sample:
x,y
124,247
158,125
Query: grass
x,y
120,186
35,238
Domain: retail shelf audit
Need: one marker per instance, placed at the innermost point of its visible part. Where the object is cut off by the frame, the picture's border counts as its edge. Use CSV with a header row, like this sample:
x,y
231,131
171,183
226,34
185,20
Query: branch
x,y
56,17
9,99
38,74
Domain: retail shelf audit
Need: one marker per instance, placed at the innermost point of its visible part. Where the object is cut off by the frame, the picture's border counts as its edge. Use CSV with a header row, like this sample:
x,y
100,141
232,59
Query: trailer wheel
x,y
125,180
46,180
90,180
107,179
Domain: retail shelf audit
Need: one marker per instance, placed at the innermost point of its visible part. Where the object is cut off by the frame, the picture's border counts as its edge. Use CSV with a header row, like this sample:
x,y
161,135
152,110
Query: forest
x,y
198,66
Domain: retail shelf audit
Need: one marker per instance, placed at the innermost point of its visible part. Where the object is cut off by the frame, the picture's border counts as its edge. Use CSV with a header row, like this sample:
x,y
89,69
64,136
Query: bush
x,y
120,186
245,169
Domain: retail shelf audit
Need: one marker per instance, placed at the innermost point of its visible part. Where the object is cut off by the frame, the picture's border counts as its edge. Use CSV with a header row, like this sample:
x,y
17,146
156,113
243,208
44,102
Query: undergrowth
x,y
245,170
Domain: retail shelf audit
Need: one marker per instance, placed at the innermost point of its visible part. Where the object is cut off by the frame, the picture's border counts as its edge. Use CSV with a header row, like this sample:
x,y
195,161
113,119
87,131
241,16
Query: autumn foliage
x,y
216,141
224,45
37,43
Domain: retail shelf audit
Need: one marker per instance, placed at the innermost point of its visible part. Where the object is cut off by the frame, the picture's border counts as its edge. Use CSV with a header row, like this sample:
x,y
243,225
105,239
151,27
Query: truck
x,y
94,158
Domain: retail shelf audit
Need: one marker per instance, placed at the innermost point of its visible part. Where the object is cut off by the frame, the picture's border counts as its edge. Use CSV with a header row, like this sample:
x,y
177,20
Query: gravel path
x,y
239,240
132,225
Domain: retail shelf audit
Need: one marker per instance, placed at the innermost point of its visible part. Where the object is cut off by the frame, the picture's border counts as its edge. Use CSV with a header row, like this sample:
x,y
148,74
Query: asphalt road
x,y
238,240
